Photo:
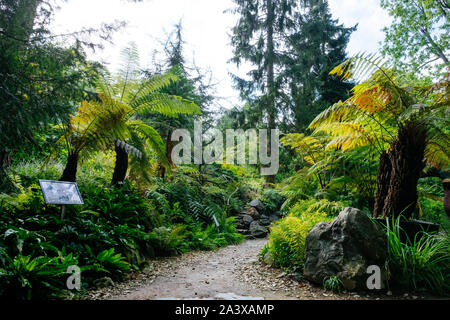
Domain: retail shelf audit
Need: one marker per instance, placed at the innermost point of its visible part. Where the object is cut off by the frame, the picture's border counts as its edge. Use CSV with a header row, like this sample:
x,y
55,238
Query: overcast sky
x,y
206,30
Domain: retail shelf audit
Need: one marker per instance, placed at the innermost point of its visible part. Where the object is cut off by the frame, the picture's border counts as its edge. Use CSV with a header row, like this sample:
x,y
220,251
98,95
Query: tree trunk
x,y
446,184
169,148
383,179
270,80
5,162
70,171
407,159
121,166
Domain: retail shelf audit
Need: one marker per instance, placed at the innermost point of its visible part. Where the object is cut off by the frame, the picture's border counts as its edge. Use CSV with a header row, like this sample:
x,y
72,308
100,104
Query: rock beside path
x,y
257,204
258,231
254,222
345,247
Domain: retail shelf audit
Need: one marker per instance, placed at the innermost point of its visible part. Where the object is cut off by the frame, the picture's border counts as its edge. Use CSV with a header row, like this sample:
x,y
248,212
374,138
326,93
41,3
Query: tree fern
x,y
381,112
168,105
110,120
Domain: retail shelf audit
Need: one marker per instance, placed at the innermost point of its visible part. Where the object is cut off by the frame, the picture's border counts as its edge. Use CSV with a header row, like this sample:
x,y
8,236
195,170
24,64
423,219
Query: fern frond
x,y
165,104
360,67
152,139
154,84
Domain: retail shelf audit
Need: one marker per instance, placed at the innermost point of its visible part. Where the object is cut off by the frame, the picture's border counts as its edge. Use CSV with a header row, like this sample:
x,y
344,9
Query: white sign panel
x,y
60,192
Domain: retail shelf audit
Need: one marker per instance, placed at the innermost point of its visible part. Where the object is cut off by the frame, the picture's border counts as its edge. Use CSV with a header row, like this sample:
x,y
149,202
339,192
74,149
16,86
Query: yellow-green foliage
x,y
287,240
310,206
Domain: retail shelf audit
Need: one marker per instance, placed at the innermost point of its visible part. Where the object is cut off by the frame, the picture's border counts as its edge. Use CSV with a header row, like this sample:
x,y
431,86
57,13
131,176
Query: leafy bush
x,y
272,200
419,264
168,240
287,238
116,229
26,277
330,208
433,211
333,283
107,262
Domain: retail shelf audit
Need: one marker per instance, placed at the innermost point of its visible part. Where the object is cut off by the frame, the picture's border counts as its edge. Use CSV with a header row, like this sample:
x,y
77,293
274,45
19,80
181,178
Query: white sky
x,y
206,30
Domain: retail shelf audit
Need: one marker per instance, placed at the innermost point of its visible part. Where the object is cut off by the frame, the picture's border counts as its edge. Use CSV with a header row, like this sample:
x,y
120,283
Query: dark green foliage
x,y
192,199
272,200
333,283
105,263
317,44
419,264
40,82
26,277
116,229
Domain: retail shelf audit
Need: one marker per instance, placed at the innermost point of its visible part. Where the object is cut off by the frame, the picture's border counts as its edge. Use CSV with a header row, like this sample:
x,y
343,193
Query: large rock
x,y
345,247
274,217
243,221
258,205
103,283
257,231
264,222
252,212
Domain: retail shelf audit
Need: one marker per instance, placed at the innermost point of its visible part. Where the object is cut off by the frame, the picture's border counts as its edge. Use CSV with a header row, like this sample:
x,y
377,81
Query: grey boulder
x,y
252,212
345,248
257,231
258,205
243,221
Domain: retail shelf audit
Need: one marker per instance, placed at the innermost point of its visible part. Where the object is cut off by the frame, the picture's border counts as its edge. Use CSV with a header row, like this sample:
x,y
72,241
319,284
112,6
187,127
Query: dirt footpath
x,y
230,273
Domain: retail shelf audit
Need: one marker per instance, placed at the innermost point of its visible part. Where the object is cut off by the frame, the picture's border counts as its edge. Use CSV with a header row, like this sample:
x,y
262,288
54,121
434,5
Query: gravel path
x,y
230,273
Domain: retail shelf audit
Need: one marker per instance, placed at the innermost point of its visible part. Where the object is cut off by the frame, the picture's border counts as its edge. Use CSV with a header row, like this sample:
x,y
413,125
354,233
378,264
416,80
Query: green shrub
x,y
26,277
419,264
330,208
105,263
272,200
433,211
287,238
167,240
333,283
31,171
117,228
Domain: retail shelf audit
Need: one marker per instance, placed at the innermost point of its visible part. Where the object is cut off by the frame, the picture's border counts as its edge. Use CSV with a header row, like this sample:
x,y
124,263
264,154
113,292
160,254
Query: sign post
x,y
61,193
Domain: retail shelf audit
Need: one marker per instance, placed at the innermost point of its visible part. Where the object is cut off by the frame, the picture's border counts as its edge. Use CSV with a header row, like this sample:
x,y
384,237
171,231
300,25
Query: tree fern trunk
x,y
407,159
446,184
121,166
169,148
70,171
5,162
383,179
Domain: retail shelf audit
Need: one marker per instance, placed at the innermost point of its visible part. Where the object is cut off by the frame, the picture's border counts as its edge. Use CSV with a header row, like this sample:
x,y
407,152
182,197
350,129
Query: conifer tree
x,y
257,39
315,47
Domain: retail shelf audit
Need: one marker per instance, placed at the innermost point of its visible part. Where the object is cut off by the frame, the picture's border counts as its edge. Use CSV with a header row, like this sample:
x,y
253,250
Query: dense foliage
x,y
365,132
116,229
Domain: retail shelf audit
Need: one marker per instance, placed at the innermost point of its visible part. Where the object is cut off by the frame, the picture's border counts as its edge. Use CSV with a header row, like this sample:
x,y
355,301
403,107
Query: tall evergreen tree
x,y
40,82
315,47
190,87
257,39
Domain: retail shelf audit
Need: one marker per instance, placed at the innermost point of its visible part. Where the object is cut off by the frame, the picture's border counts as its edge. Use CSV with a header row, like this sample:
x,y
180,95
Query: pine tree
x,y
40,81
188,87
257,38
316,46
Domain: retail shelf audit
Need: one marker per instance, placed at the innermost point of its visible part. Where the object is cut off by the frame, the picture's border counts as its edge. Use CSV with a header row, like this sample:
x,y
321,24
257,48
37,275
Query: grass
x,y
422,263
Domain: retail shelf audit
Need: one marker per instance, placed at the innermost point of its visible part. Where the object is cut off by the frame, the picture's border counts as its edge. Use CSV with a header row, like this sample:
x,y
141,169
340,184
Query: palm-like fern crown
x,y
113,116
380,105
